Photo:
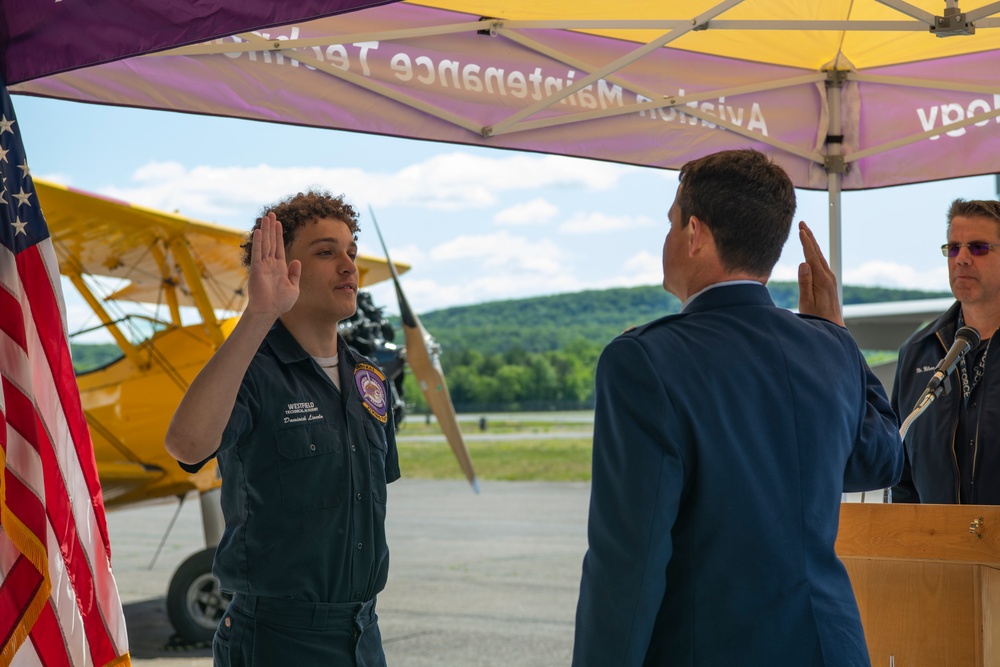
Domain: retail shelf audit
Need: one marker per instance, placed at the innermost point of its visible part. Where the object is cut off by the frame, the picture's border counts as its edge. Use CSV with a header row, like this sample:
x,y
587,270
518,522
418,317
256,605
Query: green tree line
x,y
540,353
517,380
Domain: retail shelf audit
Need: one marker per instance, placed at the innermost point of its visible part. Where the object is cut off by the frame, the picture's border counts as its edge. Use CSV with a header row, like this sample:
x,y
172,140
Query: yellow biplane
x,y
117,254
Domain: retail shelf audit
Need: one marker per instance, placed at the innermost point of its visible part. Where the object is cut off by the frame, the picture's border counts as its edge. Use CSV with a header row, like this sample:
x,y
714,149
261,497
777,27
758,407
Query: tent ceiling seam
x,y
934,84
619,63
252,44
818,25
255,42
580,64
215,48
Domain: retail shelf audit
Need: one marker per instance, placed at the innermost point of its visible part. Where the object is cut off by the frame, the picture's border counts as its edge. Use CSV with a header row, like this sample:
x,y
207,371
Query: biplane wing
x,y
159,256
151,257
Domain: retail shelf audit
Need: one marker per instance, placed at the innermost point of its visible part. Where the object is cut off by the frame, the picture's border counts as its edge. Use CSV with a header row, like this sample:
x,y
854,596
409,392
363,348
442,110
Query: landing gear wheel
x,y
195,604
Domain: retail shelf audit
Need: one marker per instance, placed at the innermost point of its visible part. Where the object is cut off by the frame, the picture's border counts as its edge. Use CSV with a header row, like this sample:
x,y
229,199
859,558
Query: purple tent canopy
x,y
42,37
845,94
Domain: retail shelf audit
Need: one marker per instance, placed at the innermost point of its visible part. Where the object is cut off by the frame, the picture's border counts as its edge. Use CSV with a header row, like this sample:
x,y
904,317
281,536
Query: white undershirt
x,y
329,366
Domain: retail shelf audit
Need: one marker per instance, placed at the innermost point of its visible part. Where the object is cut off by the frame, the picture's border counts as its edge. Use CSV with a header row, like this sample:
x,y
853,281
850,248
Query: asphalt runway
x,y
487,580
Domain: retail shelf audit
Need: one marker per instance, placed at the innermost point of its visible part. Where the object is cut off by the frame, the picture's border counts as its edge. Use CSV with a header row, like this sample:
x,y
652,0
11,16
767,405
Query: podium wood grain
x,y
928,588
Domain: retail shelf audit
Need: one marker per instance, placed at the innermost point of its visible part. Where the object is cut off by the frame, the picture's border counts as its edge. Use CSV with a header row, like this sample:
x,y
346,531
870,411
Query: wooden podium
x,y
927,580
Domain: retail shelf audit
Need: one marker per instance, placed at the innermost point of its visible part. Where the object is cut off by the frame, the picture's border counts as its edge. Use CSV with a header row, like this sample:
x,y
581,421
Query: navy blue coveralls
x,y
304,472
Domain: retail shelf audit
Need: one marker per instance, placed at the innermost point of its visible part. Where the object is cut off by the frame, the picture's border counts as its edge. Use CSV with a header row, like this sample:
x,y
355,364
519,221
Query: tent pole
x,y
836,263
834,176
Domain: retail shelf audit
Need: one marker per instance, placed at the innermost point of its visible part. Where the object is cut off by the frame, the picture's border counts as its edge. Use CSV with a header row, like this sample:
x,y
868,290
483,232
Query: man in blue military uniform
x,y
302,429
723,439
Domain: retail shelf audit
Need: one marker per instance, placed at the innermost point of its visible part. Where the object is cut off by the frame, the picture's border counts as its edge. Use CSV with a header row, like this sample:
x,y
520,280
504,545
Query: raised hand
x,y
817,284
274,284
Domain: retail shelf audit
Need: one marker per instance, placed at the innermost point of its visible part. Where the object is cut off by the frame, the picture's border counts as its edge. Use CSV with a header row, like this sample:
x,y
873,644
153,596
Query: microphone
x,y
966,338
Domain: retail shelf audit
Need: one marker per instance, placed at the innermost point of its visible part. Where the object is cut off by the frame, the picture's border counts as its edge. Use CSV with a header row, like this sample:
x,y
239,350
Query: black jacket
x,y
931,473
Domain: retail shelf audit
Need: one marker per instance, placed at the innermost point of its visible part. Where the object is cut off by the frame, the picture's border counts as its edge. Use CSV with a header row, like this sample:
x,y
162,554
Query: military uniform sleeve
x,y
904,491
876,461
638,477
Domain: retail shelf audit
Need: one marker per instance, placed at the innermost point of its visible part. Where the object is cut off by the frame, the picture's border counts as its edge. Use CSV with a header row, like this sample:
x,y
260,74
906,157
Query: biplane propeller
x,y
192,271
423,355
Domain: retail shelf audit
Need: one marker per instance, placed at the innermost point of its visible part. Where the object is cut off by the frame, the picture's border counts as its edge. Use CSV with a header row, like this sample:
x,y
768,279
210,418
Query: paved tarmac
x,y
487,580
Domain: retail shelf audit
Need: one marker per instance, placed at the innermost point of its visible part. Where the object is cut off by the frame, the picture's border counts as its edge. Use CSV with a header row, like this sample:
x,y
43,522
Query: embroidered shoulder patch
x,y
371,386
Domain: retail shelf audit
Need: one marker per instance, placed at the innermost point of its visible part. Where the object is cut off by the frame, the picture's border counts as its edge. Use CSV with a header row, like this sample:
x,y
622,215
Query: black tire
x,y
195,604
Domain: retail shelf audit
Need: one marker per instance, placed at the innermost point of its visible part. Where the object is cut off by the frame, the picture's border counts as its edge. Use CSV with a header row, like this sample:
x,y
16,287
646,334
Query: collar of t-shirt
x,y
330,367
724,283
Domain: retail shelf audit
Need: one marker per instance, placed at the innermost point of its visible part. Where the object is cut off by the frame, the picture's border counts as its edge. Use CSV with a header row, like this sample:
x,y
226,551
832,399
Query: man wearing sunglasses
x,y
952,449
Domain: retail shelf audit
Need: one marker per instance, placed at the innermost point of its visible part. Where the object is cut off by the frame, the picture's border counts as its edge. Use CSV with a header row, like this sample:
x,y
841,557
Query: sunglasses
x,y
977,248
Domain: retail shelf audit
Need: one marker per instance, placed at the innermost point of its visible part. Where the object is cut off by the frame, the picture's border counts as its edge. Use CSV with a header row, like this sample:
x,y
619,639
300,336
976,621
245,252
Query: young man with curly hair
x,y
302,430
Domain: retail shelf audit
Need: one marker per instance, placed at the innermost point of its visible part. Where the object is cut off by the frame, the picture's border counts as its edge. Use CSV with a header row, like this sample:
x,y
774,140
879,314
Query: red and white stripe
x,y
68,612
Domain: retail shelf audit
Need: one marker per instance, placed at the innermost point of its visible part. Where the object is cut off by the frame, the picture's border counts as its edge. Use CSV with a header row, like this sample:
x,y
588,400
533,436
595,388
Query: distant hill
x,y
547,323
90,356
539,353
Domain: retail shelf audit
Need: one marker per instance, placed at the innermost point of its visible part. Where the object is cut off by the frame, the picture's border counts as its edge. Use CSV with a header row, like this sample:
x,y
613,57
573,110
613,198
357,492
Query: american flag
x,y
59,604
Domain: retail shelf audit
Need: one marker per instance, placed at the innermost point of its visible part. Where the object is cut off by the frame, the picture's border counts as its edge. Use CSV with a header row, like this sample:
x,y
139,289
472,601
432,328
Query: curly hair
x,y
747,201
296,210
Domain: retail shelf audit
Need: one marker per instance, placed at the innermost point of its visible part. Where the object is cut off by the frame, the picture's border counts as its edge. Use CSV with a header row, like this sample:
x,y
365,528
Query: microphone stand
x,y
917,411
970,336
920,408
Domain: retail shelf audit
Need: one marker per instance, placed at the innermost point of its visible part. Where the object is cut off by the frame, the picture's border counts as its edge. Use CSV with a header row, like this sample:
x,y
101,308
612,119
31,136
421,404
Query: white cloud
x,y
785,272
895,275
56,177
461,180
643,268
475,269
427,295
452,181
515,253
216,193
879,273
535,212
408,254
597,223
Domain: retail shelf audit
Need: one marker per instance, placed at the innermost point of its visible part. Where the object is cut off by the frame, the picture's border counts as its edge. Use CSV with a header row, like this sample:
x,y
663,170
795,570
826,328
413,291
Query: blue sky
x,y
476,224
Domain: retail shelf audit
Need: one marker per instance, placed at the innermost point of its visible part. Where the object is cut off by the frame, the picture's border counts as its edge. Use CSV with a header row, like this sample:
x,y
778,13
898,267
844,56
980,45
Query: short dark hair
x,y
746,200
296,210
975,208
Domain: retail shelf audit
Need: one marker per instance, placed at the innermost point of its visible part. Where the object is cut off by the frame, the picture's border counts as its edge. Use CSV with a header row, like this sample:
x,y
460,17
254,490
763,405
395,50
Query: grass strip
x,y
529,459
